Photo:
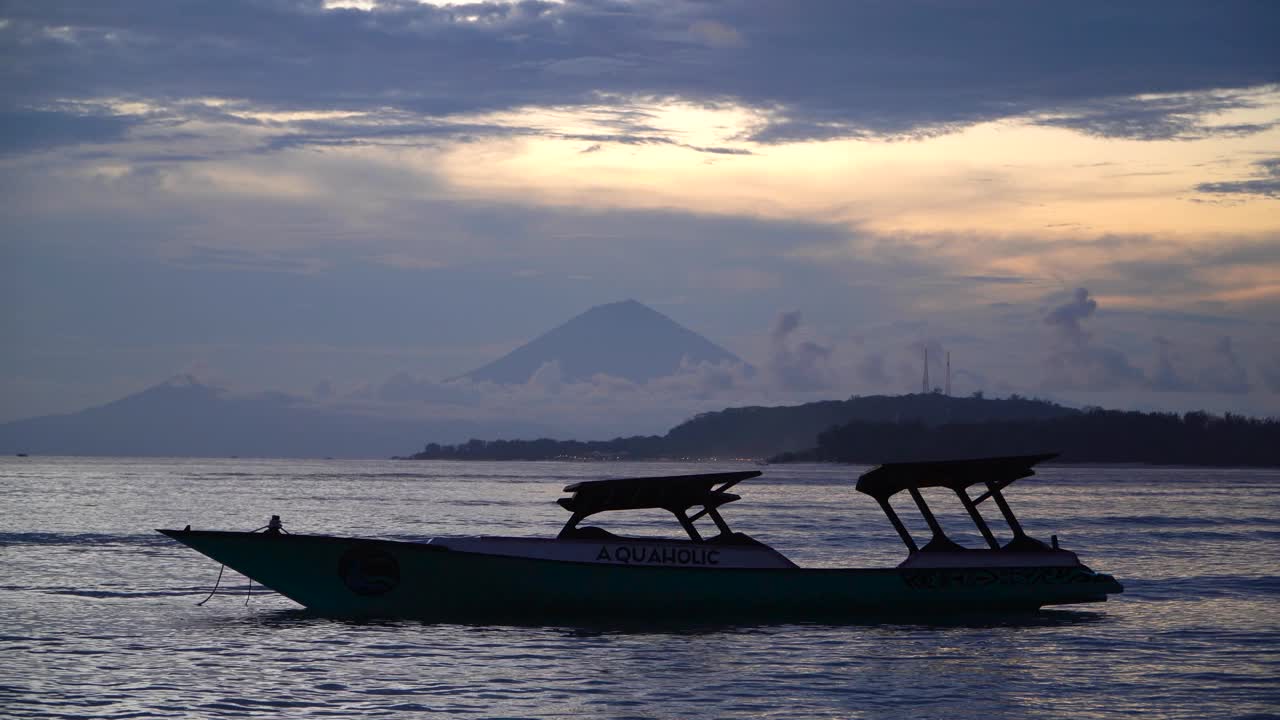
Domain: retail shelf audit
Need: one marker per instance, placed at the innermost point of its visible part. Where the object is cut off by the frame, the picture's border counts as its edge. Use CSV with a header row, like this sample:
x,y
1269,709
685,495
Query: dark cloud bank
x,y
818,69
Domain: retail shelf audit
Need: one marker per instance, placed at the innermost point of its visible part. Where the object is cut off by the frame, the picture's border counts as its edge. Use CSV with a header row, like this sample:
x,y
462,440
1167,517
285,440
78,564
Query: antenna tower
x,y
948,373
924,385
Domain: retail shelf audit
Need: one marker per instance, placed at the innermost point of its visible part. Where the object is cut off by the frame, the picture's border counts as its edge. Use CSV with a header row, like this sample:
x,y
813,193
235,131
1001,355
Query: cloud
x,y
30,130
1266,185
1074,362
1271,374
1219,370
1169,117
1067,317
547,377
797,365
996,279
799,370
709,381
823,69
1226,374
1166,377
716,34
870,370
403,388
595,407
1092,368
597,139
787,323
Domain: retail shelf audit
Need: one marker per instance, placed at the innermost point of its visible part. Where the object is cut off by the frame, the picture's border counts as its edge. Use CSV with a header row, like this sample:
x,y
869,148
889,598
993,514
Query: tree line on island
x,y
1093,436
930,426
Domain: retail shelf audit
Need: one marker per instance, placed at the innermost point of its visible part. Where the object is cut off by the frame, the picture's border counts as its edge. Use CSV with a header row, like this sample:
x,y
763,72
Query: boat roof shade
x,y
671,492
891,478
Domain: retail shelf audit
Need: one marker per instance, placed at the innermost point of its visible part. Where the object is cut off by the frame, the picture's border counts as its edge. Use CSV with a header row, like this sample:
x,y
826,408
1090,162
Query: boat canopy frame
x,y
674,493
994,473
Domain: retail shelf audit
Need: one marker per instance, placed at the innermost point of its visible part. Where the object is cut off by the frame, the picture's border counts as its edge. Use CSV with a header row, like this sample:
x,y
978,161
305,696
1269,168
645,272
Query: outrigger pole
x,y
897,523
996,473
674,493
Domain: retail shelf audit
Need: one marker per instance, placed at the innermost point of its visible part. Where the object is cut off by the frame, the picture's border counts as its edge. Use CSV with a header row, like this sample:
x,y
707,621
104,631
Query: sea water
x,y
99,615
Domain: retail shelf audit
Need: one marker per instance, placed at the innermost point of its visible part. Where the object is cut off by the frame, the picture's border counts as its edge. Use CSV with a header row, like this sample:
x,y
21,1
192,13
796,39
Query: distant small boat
x,y
588,571
21,455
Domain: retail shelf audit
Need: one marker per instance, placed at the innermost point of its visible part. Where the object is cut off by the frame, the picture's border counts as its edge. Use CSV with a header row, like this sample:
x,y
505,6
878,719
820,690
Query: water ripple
x,y
98,616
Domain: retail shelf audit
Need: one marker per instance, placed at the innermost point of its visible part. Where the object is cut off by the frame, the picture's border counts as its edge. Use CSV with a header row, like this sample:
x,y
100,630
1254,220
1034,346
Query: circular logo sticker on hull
x,y
369,571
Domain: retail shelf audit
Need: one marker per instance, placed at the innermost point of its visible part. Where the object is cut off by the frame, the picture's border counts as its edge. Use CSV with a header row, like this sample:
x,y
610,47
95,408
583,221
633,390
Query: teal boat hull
x,y
350,577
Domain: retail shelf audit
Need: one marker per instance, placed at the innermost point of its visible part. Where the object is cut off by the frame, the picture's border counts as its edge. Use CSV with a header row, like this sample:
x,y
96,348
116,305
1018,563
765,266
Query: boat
x,y
588,571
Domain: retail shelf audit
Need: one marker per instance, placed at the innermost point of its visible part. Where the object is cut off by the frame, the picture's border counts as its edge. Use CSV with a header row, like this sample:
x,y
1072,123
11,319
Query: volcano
x,y
624,339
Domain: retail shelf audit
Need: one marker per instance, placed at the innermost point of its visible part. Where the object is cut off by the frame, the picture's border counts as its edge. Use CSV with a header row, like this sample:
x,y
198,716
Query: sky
x,y
354,201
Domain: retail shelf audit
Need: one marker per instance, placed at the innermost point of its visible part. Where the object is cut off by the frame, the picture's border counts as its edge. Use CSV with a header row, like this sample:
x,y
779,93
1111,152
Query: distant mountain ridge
x,y
763,432
1096,436
624,339
768,431
910,428
184,417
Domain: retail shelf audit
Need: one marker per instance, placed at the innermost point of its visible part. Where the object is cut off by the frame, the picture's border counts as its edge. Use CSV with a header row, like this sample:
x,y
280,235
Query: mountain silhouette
x,y
184,417
763,432
624,339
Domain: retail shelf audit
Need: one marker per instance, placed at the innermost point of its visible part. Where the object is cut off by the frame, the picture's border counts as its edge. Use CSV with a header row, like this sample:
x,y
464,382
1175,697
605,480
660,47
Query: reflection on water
x,y
98,616
594,627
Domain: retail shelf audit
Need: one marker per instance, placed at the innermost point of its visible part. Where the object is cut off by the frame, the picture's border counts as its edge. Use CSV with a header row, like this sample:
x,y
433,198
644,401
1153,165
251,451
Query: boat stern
x,y
1025,579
